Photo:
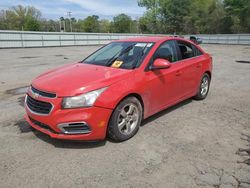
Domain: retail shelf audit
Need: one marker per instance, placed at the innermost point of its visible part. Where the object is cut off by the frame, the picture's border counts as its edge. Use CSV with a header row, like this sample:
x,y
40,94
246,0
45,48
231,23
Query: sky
x,y
54,9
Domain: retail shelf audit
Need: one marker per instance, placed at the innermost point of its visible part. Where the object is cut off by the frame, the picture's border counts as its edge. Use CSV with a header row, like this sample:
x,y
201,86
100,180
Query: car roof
x,y
148,39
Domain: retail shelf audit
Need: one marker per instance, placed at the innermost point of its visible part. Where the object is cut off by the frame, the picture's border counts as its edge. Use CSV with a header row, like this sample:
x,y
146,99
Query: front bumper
x,y
96,118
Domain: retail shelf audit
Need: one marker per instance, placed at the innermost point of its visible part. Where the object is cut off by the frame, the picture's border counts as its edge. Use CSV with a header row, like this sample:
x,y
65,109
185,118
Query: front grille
x,y
42,93
39,107
42,125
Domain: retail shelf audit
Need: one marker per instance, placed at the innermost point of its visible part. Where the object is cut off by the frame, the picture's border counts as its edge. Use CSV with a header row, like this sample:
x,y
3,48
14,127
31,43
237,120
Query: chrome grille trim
x,y
42,93
84,125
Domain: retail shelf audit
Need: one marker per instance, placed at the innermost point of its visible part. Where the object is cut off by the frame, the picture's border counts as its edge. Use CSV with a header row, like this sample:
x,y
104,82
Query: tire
x,y
204,87
125,120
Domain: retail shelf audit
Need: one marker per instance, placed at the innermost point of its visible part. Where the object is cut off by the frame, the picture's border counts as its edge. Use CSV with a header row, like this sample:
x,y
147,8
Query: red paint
x,y
158,89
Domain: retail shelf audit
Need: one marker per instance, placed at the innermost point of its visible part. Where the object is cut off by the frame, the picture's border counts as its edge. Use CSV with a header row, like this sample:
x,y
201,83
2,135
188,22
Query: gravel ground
x,y
193,144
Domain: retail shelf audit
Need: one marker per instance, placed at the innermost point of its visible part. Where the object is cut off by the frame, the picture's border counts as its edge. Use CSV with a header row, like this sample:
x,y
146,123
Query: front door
x,y
164,84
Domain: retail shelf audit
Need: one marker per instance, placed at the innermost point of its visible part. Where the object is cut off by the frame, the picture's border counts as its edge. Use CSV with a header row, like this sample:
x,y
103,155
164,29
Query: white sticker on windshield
x,y
141,44
149,44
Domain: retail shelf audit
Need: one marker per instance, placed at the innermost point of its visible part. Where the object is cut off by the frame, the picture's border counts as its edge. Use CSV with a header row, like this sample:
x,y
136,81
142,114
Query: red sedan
x,y
115,88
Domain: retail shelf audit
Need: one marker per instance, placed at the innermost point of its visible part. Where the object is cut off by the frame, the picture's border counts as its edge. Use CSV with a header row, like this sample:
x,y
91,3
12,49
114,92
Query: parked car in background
x,y
115,88
196,40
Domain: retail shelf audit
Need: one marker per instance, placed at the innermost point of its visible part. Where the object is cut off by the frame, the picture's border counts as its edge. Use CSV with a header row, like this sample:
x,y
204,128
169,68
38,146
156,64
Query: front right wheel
x,y
204,87
125,120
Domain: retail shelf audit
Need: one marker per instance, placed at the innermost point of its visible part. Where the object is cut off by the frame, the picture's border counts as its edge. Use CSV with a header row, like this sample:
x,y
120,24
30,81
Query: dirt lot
x,y
193,144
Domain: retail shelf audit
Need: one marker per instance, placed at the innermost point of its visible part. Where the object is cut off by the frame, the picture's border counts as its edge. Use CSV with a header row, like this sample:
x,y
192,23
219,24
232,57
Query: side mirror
x,y
160,63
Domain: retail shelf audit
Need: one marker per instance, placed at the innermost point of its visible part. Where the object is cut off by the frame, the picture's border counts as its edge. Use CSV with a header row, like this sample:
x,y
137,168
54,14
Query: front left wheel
x,y
125,120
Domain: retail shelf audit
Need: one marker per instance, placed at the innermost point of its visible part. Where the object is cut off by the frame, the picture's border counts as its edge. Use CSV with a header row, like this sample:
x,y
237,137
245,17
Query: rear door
x,y
191,67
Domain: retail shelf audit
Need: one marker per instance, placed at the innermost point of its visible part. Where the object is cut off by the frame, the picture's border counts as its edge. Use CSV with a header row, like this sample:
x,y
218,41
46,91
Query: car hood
x,y
78,78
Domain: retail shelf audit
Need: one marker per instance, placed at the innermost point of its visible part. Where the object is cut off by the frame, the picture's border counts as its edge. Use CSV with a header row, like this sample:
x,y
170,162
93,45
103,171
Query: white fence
x,y
242,39
22,39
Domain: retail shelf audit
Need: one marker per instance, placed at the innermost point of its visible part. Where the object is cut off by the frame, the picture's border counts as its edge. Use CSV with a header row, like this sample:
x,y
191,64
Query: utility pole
x,y
69,15
62,24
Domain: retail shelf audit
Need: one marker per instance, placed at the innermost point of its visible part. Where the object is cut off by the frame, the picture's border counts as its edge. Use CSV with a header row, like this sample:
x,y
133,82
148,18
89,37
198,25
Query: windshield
x,y
125,55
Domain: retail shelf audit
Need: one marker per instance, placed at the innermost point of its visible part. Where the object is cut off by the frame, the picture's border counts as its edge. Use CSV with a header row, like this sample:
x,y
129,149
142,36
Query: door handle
x,y
178,73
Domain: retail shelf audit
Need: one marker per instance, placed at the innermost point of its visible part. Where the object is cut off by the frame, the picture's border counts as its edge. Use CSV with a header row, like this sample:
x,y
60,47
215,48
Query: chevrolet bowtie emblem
x,y
35,95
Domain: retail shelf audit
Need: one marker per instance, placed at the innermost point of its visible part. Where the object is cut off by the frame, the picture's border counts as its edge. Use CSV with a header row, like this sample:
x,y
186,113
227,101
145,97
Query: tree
x,y
105,26
215,16
194,16
239,11
121,24
134,28
3,24
17,16
90,24
49,25
149,23
161,16
170,13
31,24
205,17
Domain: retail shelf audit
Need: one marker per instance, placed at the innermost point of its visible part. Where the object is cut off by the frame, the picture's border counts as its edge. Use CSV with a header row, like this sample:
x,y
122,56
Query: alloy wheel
x,y
128,119
204,85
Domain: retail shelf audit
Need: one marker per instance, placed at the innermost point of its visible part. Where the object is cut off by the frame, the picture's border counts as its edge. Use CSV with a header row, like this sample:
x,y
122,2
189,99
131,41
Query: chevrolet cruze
x,y
111,91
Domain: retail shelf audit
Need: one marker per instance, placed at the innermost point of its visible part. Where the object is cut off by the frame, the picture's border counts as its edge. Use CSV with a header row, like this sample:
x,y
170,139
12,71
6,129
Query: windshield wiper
x,y
114,58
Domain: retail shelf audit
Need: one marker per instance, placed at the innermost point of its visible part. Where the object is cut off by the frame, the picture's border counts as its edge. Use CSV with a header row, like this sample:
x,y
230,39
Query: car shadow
x,y
160,114
74,144
69,144
24,127
164,112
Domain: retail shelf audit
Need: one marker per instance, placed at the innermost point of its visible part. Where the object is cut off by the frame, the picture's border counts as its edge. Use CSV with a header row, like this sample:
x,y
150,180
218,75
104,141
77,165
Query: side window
x,y
166,51
197,52
186,50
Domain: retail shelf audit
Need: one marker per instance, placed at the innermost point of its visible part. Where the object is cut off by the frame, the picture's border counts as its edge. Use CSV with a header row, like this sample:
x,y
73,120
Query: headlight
x,y
84,100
